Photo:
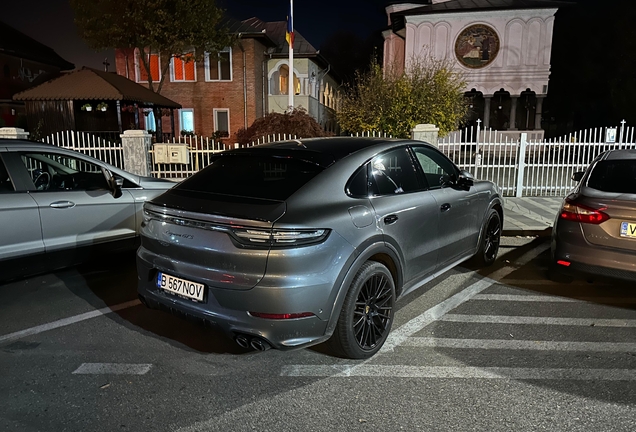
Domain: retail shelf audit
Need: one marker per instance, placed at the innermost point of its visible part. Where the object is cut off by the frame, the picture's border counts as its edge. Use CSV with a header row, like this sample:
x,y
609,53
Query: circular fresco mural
x,y
477,46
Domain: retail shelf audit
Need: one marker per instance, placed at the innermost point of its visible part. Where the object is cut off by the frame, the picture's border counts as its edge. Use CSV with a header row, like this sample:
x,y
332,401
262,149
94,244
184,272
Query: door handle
x,y
390,219
62,204
445,207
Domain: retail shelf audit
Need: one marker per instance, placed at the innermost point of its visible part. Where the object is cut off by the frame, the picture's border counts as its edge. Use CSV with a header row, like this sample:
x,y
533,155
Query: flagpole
x,y
290,90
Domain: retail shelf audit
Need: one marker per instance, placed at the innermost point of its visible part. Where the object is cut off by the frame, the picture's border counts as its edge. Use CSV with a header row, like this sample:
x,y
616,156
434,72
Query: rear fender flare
x,y
376,247
496,201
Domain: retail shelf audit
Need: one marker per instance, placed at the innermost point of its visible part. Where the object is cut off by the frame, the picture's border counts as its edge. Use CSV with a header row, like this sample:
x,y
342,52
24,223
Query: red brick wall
x,y
204,96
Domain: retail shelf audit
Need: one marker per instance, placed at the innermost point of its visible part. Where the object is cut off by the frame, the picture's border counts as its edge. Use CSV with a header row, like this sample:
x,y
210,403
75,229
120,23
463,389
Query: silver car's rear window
x,y
272,177
616,176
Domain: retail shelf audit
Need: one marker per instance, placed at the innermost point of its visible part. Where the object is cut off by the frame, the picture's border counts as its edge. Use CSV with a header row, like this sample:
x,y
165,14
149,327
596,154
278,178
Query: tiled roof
x,y
15,43
475,5
88,83
276,31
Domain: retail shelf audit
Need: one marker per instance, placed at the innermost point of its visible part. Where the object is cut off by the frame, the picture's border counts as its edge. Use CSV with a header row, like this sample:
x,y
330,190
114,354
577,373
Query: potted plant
x,y
102,106
87,107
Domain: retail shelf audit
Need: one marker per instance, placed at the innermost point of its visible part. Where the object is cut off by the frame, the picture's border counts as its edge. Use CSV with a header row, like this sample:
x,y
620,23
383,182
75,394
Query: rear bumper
x,y
229,309
569,244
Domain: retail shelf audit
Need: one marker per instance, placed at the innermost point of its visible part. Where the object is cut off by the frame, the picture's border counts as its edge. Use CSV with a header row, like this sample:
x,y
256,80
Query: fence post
x,y
425,132
13,133
521,165
136,145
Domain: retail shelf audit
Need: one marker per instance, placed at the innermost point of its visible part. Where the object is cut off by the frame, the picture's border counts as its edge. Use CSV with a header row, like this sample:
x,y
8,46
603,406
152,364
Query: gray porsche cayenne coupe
x,y
294,243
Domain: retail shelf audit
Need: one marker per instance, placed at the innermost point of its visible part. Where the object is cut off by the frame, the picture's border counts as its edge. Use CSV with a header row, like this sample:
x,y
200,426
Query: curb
x,y
547,232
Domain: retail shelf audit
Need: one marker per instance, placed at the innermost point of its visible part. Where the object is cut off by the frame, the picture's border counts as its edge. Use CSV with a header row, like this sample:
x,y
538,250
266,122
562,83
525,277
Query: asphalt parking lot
x,y
499,350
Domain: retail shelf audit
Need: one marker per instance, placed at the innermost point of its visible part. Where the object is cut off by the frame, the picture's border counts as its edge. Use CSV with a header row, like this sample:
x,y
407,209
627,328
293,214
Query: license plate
x,y
628,229
180,286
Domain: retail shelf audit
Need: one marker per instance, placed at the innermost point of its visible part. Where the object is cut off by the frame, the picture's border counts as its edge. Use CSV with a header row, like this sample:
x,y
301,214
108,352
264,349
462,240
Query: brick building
x,y
228,92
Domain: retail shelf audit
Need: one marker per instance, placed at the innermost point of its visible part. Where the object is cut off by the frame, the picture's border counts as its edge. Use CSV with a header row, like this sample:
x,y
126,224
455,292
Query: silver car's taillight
x,y
279,237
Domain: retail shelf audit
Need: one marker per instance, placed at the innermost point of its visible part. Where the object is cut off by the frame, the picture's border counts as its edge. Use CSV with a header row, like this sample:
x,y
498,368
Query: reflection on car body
x,y
310,240
58,204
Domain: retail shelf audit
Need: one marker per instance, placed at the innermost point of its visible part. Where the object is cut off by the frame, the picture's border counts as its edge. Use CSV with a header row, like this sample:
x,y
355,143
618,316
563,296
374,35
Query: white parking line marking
x,y
398,336
403,371
503,344
418,323
549,298
502,319
67,321
112,369
521,298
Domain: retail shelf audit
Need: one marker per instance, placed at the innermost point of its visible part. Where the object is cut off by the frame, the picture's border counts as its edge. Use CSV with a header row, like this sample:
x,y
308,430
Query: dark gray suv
x,y
294,243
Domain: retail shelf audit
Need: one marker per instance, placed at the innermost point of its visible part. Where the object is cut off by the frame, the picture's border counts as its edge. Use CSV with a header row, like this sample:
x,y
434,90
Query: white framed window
x,y
186,119
222,121
183,68
154,61
219,67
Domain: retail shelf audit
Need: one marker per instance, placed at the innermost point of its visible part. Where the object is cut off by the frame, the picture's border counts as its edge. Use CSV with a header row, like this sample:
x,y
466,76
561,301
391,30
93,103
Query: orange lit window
x,y
155,69
183,68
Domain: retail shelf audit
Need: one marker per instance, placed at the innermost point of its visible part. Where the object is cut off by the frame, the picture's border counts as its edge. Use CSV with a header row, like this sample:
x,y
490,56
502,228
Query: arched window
x,y
283,86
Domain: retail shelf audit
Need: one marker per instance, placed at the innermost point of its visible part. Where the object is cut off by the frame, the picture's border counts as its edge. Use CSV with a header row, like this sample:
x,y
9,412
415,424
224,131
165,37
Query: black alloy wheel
x,y
367,314
490,238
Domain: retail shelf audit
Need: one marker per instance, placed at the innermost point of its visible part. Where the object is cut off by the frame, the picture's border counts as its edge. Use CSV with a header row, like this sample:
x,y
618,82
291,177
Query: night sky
x,y
51,22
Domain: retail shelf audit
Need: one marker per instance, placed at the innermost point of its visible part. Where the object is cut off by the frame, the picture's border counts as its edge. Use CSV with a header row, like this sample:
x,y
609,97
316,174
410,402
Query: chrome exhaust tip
x,y
242,341
259,344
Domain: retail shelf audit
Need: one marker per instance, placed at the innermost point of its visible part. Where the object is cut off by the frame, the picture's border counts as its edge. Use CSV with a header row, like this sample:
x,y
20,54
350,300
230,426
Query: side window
x,y
393,173
5,182
56,172
358,184
436,167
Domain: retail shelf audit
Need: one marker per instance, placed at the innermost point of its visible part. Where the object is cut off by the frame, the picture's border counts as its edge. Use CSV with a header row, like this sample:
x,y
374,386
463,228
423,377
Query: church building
x,y
501,48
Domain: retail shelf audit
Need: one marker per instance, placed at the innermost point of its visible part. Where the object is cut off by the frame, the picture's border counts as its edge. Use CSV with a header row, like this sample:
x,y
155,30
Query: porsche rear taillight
x,y
580,213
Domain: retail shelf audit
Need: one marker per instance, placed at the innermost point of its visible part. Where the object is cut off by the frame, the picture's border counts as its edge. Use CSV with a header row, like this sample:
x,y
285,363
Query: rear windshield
x,y
255,176
617,176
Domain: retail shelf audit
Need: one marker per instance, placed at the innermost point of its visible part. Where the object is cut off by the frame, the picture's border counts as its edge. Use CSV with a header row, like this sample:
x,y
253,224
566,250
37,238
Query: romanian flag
x,y
289,35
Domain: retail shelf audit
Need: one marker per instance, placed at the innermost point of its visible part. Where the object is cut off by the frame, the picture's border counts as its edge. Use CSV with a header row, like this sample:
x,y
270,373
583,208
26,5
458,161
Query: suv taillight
x,y
279,237
583,214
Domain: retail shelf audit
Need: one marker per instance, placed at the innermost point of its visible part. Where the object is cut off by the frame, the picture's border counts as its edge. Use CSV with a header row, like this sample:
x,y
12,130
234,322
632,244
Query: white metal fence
x,y
521,167
200,151
532,167
105,146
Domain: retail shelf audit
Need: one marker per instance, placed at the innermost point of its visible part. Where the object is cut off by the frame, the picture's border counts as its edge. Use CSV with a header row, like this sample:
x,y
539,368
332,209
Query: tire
x,y
367,313
489,240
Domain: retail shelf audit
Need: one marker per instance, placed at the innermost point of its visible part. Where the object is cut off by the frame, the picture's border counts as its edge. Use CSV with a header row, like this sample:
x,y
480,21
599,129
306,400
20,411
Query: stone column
x,y
13,133
136,146
513,113
538,112
425,132
487,100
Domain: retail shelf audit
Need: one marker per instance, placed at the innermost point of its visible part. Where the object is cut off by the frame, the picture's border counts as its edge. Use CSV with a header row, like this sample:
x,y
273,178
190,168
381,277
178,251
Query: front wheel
x,y
367,313
489,242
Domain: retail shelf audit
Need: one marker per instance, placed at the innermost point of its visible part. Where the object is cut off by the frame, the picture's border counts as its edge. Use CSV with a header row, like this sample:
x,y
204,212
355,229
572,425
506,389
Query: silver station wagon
x,y
294,243
58,207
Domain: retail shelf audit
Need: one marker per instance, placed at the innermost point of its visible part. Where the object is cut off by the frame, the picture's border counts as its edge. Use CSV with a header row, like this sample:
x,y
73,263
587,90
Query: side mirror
x,y
114,183
465,180
577,176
